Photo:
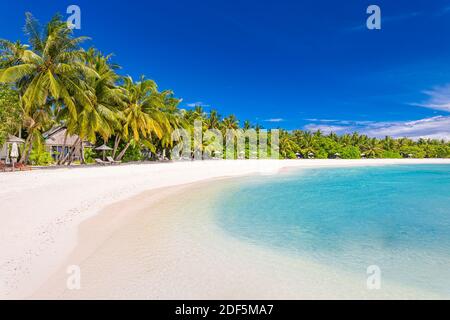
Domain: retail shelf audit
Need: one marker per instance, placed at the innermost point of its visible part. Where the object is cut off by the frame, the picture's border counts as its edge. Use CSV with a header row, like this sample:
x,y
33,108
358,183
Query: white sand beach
x,y
99,218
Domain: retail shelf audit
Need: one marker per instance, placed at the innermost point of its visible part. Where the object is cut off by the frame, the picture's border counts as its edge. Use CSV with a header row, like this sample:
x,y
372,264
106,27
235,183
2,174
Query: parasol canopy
x,y
12,139
103,148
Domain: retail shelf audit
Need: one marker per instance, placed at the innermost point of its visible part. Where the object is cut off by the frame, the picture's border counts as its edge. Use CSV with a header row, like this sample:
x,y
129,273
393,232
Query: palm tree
x,y
318,134
107,100
346,140
247,125
51,75
213,121
355,138
362,141
403,142
288,147
306,141
372,148
195,114
168,104
388,143
11,53
333,136
230,122
142,117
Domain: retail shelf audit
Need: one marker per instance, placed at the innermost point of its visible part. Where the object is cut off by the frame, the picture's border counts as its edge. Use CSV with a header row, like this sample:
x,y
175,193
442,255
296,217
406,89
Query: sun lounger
x,y
112,161
2,166
101,162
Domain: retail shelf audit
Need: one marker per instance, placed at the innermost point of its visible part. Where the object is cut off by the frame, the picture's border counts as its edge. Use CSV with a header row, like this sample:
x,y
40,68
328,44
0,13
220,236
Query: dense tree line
x,y
54,81
354,146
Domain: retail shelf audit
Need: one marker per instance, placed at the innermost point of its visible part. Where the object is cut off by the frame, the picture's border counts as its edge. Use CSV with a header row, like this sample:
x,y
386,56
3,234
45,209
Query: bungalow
x,y
58,142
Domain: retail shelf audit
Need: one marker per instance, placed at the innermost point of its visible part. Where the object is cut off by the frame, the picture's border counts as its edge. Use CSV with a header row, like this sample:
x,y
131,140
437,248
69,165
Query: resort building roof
x,y
57,135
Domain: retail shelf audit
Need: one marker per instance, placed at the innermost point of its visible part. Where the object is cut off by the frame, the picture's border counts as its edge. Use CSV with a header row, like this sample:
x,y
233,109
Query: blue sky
x,y
295,64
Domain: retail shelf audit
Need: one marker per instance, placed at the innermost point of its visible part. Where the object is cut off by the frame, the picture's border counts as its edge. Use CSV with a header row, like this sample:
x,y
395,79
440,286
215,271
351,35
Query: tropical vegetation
x,y
55,81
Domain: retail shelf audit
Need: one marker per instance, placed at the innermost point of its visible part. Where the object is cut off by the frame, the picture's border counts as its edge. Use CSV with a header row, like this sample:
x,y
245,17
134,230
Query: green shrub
x,y
414,151
89,155
39,157
391,154
443,152
133,153
350,152
290,155
321,154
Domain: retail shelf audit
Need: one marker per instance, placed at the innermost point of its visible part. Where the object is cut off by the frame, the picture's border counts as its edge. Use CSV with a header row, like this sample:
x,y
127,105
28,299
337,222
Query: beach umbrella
x,y
12,139
14,153
103,148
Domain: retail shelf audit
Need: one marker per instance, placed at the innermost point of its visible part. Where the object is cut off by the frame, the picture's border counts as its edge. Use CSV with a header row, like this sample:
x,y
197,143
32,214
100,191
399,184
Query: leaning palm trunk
x,y
27,155
24,155
60,158
71,152
72,156
122,153
83,160
116,146
65,158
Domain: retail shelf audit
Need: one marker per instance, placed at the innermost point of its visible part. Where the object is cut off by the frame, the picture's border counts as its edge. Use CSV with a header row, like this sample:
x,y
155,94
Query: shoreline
x,y
40,236
157,251
92,233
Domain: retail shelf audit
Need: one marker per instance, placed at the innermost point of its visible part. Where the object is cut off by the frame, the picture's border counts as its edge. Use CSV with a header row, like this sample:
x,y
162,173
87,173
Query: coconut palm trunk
x,y
116,146
25,152
72,156
83,160
71,151
61,155
77,144
122,153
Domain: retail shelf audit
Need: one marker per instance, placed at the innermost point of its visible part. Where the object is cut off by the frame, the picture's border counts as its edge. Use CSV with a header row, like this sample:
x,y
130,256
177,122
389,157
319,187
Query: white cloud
x,y
320,120
435,128
439,99
339,122
274,120
197,104
326,128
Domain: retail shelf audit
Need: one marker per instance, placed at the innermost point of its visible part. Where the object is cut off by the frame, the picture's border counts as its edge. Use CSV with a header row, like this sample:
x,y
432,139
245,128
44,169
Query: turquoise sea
x,y
395,217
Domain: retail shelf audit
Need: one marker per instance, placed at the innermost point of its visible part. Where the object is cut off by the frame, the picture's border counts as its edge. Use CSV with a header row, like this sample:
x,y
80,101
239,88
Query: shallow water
x,y
395,217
